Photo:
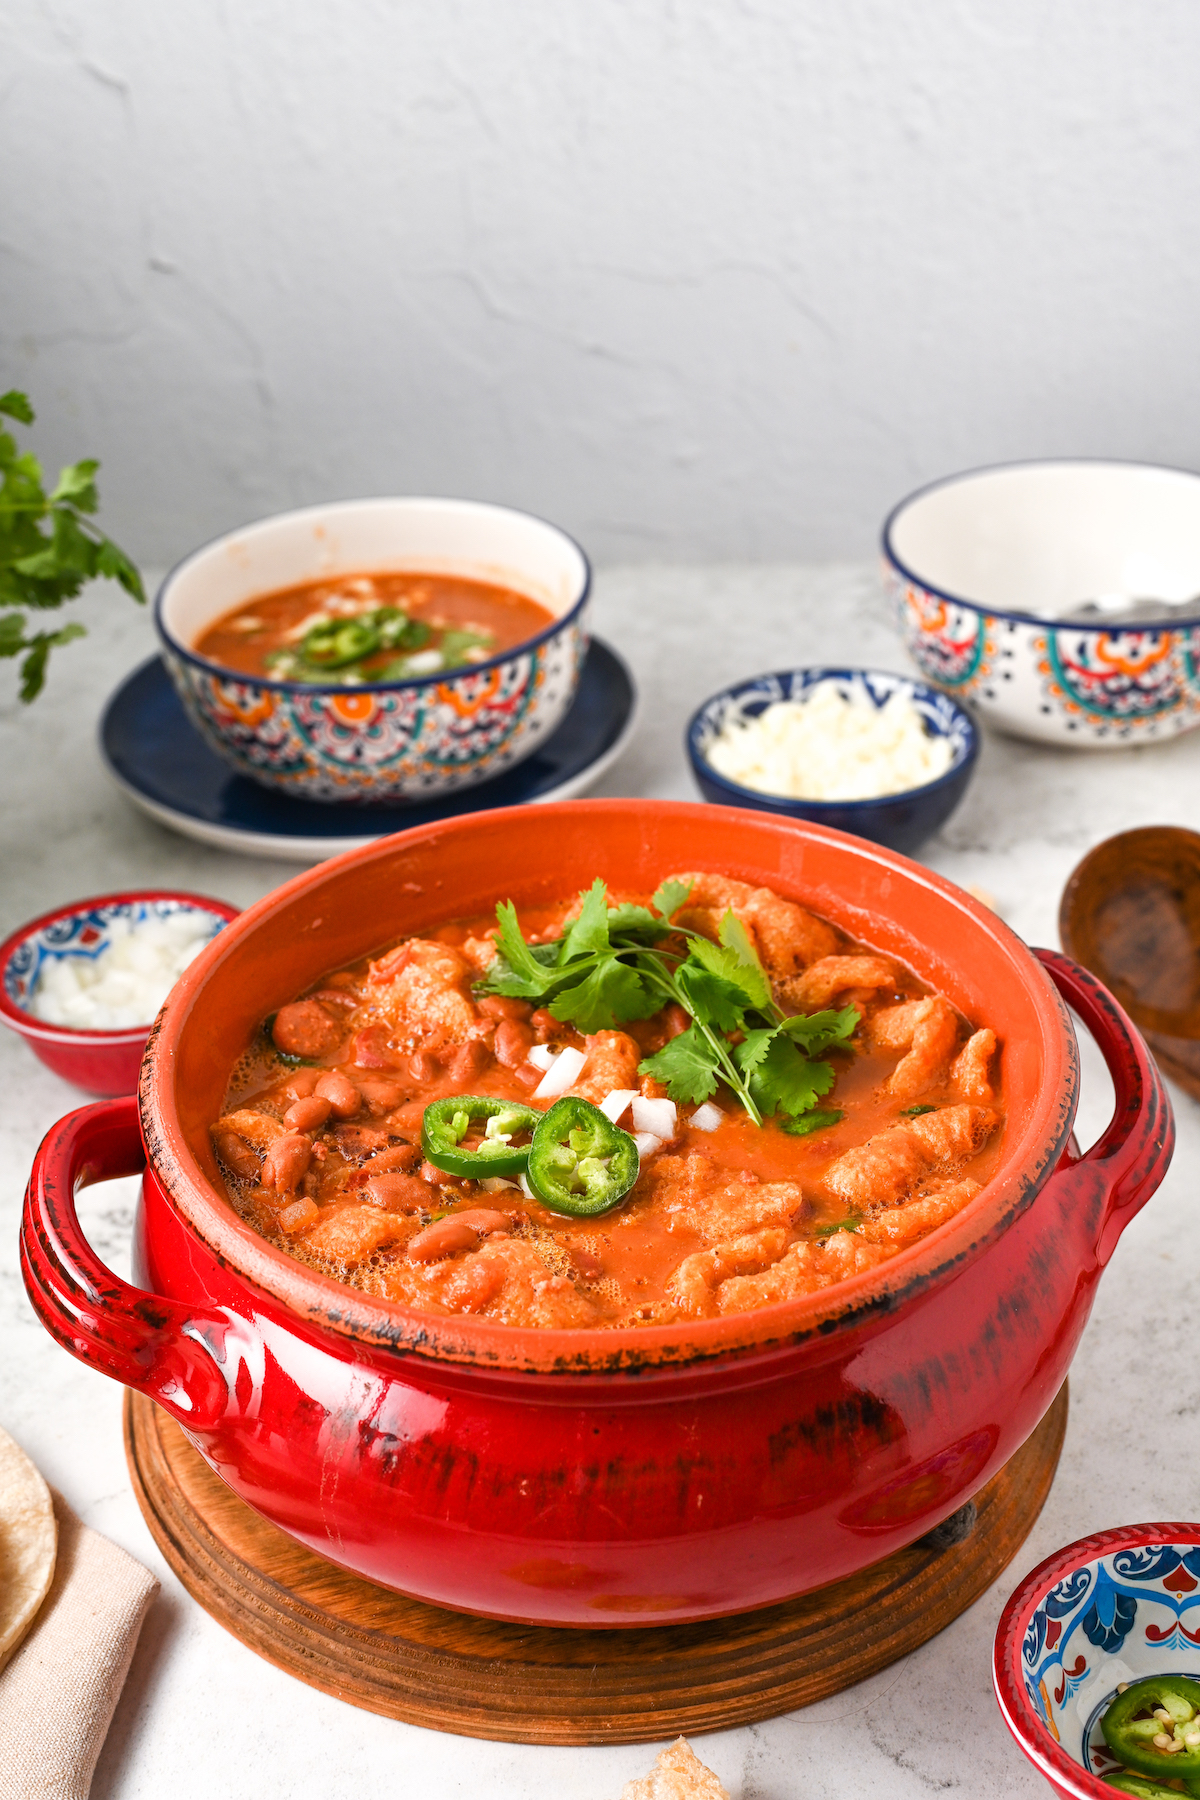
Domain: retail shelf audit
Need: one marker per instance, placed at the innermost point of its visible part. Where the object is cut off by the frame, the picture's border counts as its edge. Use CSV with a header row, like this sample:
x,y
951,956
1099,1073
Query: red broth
x,y
421,625
319,1139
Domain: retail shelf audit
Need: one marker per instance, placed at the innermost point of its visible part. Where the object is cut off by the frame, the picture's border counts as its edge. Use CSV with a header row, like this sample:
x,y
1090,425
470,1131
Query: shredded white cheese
x,y
126,982
836,745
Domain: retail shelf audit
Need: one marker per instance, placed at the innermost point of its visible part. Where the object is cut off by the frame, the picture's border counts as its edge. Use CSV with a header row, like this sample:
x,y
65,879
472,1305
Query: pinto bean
x,y
424,1066
305,1029
545,1025
459,1231
308,1114
340,1092
286,1162
299,1084
528,1076
470,1059
400,1156
236,1154
395,1192
514,1041
504,1006
380,1095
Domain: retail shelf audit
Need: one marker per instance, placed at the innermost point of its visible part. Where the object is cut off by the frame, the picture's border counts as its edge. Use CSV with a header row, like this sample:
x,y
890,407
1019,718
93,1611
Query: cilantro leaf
x,y
635,922
521,965
710,996
670,896
735,937
816,1120
778,1076
609,994
729,967
48,546
77,483
588,934
817,1031
686,1065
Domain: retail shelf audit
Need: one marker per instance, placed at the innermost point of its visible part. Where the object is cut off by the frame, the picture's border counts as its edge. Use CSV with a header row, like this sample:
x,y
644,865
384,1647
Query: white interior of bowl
x,y
1122,1618
449,537
1041,538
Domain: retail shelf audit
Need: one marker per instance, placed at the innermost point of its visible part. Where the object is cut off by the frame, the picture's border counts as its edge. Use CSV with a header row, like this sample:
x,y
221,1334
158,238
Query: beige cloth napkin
x,y
59,1692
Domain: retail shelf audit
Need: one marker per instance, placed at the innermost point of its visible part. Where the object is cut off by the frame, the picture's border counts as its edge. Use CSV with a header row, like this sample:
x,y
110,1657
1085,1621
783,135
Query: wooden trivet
x,y
537,1685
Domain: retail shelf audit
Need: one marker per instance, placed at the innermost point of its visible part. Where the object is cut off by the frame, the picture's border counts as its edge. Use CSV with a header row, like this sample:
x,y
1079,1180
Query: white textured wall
x,y
693,277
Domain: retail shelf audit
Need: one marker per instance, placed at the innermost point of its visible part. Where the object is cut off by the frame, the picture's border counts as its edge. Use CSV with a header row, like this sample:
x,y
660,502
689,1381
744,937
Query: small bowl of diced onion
x,y
862,750
83,984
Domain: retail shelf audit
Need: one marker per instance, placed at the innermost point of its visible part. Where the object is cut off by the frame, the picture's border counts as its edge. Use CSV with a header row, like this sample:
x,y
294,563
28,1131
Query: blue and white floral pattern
x,y
1121,1618
82,934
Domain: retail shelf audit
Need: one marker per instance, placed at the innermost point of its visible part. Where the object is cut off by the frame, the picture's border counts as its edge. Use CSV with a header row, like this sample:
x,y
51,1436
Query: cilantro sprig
x,y
614,964
49,547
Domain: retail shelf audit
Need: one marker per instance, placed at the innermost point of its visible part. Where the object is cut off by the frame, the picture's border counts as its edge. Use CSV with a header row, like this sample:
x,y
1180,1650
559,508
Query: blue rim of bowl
x,y
1030,462
755,796
186,654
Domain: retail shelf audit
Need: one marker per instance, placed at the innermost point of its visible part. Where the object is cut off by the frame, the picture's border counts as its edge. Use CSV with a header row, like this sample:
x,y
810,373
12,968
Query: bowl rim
x,y
890,555
28,1025
1022,1719
185,653
959,770
481,1342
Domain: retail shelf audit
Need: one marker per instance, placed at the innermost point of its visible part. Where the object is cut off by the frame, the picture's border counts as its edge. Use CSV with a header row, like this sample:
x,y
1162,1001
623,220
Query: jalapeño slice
x,y
447,1122
580,1163
1134,1720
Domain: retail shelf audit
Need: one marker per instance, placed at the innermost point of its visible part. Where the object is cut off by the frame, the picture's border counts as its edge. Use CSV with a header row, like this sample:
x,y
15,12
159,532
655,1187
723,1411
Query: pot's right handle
x,y
1135,1150
150,1343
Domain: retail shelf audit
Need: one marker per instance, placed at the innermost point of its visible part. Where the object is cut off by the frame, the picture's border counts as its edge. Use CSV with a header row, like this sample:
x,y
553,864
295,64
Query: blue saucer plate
x,y
159,761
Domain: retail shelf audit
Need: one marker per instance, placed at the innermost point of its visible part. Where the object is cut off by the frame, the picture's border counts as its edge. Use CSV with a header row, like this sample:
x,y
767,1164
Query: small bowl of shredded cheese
x,y
83,985
880,755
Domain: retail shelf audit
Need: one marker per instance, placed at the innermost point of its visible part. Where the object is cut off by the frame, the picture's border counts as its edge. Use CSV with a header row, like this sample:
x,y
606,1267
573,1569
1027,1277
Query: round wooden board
x,y
535,1685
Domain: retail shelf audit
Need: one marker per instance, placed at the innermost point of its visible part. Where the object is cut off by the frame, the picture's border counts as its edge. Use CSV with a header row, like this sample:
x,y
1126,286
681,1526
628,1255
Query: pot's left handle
x,y
150,1343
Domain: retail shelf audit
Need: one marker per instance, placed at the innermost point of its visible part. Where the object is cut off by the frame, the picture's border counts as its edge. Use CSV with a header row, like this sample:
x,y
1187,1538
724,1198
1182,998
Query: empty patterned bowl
x,y
387,741
1108,1610
983,570
902,821
104,1061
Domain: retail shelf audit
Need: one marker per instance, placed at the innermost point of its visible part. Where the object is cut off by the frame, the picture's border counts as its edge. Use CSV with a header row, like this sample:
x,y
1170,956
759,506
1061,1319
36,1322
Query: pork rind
x,y
678,1774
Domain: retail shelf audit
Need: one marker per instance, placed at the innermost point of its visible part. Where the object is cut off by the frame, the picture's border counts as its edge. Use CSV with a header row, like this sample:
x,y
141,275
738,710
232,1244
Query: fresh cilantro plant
x,y
49,547
612,965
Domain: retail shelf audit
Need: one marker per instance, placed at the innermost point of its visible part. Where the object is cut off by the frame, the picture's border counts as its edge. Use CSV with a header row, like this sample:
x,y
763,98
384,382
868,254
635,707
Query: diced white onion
x,y
706,1117
492,1184
542,1057
523,1181
656,1116
614,1105
647,1143
124,981
563,1074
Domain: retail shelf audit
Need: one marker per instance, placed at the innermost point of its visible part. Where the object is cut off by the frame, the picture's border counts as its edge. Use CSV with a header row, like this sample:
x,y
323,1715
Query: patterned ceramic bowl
x,y
981,569
1114,1608
103,1062
902,821
385,741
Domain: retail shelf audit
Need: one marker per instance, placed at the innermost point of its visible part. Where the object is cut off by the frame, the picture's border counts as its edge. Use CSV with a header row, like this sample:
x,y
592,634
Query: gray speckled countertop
x,y
200,1714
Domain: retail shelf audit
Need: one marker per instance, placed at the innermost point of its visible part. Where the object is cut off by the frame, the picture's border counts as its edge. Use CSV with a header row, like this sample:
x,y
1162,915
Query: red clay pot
x,y
588,1477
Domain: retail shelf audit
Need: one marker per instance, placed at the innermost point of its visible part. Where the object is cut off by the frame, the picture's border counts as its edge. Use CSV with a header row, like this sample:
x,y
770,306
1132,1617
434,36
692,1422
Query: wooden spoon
x,y
1131,914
